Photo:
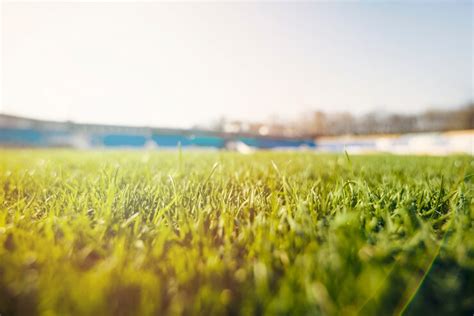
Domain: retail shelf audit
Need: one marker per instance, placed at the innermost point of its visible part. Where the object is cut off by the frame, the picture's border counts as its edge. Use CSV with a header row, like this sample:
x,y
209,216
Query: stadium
x,y
17,131
23,132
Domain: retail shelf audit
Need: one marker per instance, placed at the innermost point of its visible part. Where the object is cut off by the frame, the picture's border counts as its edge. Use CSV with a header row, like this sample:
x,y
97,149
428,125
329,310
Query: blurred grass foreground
x,y
190,233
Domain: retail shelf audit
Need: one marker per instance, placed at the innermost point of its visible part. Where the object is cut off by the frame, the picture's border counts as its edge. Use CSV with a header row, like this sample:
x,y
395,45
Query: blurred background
x,y
330,76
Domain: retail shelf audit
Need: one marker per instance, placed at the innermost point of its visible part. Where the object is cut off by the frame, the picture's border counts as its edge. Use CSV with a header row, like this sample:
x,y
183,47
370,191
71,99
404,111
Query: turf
x,y
138,233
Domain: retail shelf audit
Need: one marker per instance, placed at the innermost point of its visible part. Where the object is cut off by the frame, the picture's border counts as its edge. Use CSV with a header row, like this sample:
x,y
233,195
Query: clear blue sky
x,y
179,64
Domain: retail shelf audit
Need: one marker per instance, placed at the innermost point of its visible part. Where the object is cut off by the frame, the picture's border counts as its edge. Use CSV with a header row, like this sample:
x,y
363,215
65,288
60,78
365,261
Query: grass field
x,y
137,233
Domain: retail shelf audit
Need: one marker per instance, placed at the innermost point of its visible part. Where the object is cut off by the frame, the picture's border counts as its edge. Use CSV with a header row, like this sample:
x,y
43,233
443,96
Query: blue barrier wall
x,y
123,140
34,137
275,142
208,141
21,136
44,138
171,140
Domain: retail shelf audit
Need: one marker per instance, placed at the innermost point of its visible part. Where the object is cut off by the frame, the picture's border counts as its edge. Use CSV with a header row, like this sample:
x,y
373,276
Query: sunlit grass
x,y
97,233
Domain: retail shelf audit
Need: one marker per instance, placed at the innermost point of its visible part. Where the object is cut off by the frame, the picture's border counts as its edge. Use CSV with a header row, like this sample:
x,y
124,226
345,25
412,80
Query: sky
x,y
180,64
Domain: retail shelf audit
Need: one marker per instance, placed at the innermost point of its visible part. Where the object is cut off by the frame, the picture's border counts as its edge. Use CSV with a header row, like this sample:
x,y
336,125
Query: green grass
x,y
110,233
